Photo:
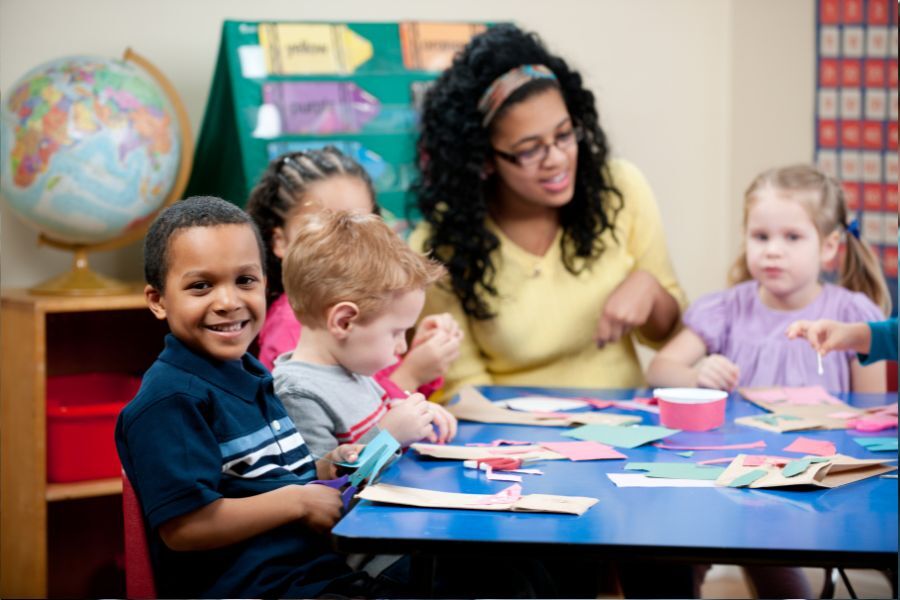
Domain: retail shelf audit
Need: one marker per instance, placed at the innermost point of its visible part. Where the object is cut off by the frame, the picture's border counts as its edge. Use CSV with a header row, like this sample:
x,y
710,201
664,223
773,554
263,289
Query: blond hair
x,y
823,198
348,257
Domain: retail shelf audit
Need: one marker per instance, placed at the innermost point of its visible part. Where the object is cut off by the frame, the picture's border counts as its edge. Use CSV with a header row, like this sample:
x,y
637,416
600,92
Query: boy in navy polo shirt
x,y
217,464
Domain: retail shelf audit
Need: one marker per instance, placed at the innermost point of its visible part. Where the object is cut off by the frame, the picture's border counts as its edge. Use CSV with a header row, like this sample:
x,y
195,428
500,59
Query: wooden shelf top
x,y
60,304
83,489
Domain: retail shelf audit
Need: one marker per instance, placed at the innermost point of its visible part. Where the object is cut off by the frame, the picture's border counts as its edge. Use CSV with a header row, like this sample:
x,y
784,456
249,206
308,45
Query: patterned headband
x,y
503,87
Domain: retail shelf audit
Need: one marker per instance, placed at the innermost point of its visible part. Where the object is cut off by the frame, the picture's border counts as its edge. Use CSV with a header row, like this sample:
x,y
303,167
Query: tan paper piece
x,y
407,496
473,406
448,452
812,412
798,424
838,470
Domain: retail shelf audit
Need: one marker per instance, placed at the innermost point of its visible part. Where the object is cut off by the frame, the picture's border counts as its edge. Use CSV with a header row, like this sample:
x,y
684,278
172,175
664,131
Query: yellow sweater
x,y
546,317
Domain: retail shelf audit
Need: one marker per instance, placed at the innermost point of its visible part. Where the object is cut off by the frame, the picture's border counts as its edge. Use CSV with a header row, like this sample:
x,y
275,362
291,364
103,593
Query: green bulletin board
x,y
283,86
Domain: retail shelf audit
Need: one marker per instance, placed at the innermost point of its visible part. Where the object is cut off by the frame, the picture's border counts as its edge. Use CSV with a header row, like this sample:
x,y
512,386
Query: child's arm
x,y
227,521
870,379
676,365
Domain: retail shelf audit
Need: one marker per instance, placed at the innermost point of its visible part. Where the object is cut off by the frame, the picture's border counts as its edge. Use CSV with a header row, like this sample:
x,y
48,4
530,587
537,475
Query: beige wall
x,y
700,94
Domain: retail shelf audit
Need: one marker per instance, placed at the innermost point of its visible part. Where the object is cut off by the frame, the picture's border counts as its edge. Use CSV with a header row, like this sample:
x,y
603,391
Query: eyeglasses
x,y
531,157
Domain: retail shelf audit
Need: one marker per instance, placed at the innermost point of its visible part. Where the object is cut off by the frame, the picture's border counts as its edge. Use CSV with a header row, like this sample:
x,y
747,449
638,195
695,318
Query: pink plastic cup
x,y
691,409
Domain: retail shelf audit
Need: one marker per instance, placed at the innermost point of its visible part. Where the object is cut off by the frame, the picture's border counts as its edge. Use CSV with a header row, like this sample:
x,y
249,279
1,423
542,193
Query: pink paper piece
x,y
810,446
647,401
890,409
634,405
598,404
876,422
489,473
505,496
502,443
814,394
583,450
757,444
760,459
511,450
843,415
715,461
766,395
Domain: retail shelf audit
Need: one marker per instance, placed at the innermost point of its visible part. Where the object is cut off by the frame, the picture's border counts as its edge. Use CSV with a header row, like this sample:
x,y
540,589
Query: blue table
x,y
851,526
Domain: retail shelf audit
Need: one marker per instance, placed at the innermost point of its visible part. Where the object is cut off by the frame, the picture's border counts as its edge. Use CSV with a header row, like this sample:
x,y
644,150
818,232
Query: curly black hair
x,y
196,211
281,188
451,192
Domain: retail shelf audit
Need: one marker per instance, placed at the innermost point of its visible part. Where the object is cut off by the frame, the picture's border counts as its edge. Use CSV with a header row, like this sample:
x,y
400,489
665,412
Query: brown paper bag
x,y
817,413
473,406
533,452
407,496
832,472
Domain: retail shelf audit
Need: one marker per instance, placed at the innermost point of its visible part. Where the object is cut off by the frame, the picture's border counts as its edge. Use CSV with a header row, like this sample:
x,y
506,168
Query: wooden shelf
x,y
83,489
58,304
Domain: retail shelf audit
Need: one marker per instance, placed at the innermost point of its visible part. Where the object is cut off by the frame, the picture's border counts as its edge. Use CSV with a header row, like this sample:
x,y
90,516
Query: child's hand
x,y
321,506
629,306
444,422
430,359
434,323
409,420
345,453
826,335
717,372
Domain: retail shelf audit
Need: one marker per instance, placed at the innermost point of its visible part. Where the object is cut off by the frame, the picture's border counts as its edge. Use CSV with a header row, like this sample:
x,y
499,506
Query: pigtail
x,y
739,273
860,272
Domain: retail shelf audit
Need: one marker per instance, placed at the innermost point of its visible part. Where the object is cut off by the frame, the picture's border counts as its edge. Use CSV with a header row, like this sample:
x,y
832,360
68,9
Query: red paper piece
x,y
810,446
757,460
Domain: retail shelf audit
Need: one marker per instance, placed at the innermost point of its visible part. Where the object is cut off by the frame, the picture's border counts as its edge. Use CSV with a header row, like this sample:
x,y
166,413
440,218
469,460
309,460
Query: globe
x,y
91,149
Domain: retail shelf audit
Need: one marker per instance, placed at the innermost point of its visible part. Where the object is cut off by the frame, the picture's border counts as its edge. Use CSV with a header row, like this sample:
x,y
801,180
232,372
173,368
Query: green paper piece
x,y
687,454
773,419
676,470
621,437
795,467
877,444
747,478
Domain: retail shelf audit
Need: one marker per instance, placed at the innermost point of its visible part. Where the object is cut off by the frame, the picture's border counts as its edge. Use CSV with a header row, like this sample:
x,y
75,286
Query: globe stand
x,y
81,281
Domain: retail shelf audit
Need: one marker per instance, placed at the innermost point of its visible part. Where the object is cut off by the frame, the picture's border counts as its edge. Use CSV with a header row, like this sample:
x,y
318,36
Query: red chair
x,y
891,376
139,581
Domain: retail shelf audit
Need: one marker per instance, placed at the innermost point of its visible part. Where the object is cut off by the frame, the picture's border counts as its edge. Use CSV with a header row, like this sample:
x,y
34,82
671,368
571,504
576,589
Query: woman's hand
x,y
629,306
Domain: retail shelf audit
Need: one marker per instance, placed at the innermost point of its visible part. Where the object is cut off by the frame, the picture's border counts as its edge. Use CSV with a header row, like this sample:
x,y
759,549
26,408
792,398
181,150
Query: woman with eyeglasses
x,y
555,251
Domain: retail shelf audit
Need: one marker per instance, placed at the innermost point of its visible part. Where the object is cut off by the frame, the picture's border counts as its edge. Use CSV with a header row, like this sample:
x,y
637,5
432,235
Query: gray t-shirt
x,y
329,404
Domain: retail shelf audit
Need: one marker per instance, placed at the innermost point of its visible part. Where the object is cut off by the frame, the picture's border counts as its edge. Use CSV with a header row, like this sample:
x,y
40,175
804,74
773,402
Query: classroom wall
x,y
700,94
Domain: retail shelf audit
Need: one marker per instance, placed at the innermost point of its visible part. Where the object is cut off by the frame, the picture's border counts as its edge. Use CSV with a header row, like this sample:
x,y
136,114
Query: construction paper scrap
x,y
756,460
687,454
814,394
795,467
873,422
489,473
774,419
583,450
485,464
622,437
510,494
781,422
889,476
501,443
597,404
843,415
810,446
757,444
648,401
640,480
764,394
454,452
747,478
374,458
889,409
542,404
716,461
633,405
877,444
676,470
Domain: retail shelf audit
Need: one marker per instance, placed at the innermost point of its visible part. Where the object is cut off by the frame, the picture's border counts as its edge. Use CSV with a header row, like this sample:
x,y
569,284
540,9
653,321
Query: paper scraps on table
x,y
490,466
804,445
744,446
375,457
641,480
473,406
872,422
586,450
676,470
795,467
755,460
877,444
622,437
451,452
813,403
687,454
716,461
510,499
812,472
780,423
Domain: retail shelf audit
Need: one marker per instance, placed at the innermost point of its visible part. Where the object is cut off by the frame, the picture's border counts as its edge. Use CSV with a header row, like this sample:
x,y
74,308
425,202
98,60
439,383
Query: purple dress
x,y
736,324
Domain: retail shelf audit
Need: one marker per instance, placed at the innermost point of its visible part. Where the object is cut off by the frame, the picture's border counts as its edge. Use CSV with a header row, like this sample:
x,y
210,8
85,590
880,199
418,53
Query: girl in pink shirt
x,y
292,186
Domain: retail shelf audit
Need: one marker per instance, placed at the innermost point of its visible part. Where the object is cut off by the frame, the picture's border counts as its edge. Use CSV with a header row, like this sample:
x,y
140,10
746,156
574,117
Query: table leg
x,y
422,574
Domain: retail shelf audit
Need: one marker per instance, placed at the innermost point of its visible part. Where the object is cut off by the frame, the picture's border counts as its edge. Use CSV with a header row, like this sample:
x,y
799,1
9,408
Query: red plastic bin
x,y
81,422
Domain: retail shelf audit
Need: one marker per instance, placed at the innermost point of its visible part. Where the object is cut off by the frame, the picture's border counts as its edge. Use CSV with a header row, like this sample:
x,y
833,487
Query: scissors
x,y
341,484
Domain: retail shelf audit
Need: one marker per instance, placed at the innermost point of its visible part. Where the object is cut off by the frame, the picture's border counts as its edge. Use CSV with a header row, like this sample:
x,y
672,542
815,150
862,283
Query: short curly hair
x,y
451,192
196,211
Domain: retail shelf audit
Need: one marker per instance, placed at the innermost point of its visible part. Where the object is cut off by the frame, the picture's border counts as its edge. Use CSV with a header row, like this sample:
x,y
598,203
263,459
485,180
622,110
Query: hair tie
x,y
502,87
853,228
